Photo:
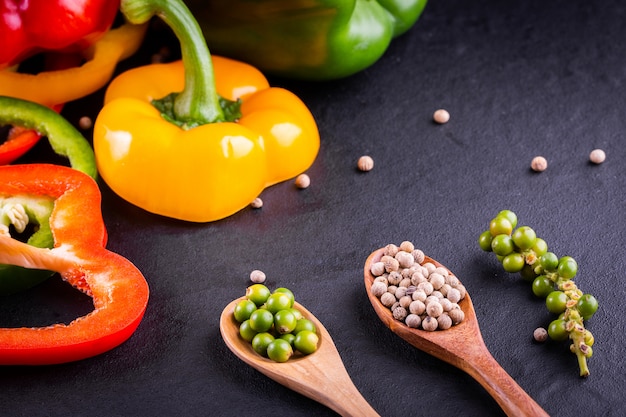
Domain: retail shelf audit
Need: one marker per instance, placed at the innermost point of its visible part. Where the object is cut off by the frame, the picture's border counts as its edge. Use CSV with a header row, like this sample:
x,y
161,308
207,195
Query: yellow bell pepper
x,y
55,87
204,153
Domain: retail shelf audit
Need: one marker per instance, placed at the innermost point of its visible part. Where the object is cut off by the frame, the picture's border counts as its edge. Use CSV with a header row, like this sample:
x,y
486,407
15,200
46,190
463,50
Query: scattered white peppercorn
x,y
256,203
539,164
597,156
365,163
441,116
540,334
258,277
85,122
303,181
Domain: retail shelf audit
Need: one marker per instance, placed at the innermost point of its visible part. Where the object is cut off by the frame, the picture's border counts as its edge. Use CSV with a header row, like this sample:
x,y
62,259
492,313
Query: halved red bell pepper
x,y
118,288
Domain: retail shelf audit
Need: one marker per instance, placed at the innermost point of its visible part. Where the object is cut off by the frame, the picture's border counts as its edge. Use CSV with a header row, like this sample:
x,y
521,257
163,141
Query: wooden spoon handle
x,y
350,402
513,400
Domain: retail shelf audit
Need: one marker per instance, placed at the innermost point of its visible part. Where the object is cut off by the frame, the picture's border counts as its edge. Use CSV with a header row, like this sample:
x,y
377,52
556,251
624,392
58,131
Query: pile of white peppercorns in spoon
x,y
418,293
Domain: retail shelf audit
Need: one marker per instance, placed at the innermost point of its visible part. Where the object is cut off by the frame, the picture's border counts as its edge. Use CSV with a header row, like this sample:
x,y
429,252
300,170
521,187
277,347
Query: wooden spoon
x,y
461,346
320,376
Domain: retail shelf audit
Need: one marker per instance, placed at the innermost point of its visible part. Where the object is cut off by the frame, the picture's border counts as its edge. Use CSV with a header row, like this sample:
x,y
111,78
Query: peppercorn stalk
x,y
581,338
199,102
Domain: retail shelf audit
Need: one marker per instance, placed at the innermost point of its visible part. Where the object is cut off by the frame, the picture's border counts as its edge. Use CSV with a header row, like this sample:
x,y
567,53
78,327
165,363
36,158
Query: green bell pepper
x,y
26,217
305,39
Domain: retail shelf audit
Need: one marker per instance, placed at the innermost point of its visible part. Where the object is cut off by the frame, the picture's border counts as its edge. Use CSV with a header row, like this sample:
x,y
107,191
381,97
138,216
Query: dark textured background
x,y
520,79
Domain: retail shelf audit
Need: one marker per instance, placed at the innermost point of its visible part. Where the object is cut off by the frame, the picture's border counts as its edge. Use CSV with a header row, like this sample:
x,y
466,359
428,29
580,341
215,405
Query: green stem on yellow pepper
x,y
199,102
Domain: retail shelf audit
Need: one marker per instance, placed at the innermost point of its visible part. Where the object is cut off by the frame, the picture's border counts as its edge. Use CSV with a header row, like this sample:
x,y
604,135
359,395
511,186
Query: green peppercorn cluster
x,y
520,250
275,328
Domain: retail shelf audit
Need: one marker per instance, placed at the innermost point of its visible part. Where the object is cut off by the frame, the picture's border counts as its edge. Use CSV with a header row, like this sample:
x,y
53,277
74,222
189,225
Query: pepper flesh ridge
x,y
119,290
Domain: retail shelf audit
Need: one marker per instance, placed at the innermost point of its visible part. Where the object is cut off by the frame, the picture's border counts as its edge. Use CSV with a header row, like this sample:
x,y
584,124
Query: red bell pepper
x,y
118,288
29,27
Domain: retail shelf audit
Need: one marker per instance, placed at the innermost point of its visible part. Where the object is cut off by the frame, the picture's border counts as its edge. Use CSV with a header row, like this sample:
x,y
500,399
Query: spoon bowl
x,y
461,346
320,376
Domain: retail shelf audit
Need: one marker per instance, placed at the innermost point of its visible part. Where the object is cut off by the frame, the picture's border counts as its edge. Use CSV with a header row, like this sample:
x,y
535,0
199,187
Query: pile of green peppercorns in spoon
x,y
269,321
520,250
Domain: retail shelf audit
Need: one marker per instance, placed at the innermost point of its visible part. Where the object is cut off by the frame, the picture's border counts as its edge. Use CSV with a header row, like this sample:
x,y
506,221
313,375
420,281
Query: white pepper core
x,y
540,334
258,277
539,164
257,203
441,116
303,181
597,156
365,163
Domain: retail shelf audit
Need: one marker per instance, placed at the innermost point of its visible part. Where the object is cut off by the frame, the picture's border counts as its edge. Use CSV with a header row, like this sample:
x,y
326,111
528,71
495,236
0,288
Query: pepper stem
x,y
199,102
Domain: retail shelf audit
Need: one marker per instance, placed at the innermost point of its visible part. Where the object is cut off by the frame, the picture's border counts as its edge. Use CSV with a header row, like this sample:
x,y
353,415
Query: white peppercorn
x,y
418,255
391,263
400,292
392,289
539,164
387,299
405,259
406,283
407,246
257,203
434,309
394,278
378,289
418,277
391,250
597,156
540,334
425,286
399,313
446,304
437,280
405,301
444,321
454,295
417,307
365,163
258,277
444,289
431,298
383,279
377,269
452,280
430,324
442,271
419,295
457,315
441,116
430,267
413,320
406,273
85,122
303,181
